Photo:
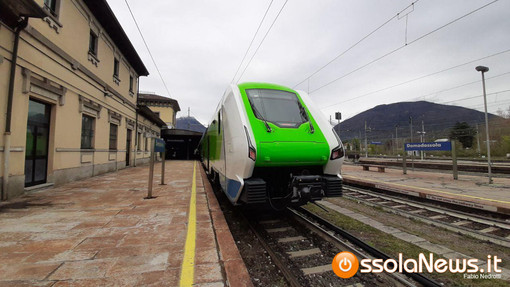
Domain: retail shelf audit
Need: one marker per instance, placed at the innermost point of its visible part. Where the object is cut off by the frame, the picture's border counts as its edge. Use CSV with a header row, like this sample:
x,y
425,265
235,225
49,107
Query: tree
x,y
464,133
356,144
502,113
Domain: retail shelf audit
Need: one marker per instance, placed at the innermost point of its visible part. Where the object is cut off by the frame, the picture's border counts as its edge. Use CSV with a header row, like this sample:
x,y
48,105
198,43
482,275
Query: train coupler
x,y
306,188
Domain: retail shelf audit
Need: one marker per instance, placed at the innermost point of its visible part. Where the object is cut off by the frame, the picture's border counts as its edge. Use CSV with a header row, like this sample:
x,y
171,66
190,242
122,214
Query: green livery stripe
x,y
213,141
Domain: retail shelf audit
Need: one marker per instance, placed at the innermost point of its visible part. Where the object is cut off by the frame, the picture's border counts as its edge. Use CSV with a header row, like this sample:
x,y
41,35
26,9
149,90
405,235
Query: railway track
x,y
483,228
502,169
303,247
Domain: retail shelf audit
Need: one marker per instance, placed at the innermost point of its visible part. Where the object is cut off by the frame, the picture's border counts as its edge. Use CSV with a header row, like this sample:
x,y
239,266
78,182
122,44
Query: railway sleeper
x,y
316,269
302,253
291,239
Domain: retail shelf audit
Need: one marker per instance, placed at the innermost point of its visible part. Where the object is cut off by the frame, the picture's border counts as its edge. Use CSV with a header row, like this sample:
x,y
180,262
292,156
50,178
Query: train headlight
x,y
337,152
252,154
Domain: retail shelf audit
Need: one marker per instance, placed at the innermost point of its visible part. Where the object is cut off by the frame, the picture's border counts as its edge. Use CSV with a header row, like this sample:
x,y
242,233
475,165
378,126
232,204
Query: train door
x,y
220,145
208,150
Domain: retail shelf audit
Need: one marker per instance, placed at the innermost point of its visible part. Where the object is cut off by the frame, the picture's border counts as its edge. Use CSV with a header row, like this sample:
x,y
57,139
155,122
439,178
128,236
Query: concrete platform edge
x,y
235,270
487,206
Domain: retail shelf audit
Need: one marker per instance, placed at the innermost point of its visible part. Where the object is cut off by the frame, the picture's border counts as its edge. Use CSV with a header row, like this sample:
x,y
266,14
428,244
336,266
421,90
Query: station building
x,y
181,144
165,108
68,94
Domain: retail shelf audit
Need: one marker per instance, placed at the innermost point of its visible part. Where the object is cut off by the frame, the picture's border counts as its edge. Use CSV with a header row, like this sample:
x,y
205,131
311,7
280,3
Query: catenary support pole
x,y
454,162
366,147
412,157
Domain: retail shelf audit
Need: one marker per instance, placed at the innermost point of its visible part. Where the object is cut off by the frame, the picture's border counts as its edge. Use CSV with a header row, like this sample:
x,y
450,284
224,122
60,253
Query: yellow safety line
x,y
188,263
428,189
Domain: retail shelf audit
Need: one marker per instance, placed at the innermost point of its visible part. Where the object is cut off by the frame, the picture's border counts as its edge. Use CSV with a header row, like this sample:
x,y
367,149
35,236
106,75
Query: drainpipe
x,y
10,95
136,119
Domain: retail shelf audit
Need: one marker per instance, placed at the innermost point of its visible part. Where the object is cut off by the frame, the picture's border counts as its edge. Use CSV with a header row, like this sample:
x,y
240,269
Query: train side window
x,y
219,122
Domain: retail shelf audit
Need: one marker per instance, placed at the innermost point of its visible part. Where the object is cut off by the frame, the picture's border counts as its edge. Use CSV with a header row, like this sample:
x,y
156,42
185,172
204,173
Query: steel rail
x,y
420,278
476,233
293,281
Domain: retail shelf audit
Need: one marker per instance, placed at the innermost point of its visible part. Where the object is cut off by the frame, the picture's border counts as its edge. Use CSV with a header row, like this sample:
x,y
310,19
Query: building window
x,y
52,6
93,43
113,136
131,82
157,114
139,141
116,67
146,144
87,132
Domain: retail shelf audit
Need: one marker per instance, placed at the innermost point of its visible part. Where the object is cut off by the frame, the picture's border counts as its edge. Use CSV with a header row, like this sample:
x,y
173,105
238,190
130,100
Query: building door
x,y
36,156
128,146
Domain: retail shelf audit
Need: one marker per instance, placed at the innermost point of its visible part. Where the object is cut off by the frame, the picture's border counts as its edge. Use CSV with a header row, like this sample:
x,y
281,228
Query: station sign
x,y
376,143
441,146
159,145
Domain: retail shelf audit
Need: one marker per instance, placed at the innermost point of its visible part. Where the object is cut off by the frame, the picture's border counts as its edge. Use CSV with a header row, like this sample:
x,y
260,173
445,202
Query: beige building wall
x,y
54,67
146,131
167,114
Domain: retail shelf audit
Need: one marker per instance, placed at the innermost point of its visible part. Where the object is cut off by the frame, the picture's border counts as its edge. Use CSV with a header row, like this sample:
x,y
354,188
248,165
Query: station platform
x,y
101,231
472,191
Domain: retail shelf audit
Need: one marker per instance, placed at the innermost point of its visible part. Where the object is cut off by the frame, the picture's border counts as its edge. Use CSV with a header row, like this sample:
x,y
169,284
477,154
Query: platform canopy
x,y
12,10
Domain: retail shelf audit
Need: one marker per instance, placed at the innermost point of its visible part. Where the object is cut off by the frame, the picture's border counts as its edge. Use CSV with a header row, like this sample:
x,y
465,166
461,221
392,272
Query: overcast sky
x,y
198,45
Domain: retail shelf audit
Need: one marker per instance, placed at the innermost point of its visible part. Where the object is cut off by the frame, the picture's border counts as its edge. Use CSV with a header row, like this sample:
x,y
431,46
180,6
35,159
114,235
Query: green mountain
x,y
383,120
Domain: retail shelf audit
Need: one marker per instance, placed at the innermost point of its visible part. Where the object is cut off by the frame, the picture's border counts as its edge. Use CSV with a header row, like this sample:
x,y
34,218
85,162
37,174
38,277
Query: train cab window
x,y
279,107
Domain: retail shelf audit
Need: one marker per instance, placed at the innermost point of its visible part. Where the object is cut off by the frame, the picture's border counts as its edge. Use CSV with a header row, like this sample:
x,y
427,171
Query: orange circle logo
x,y
345,264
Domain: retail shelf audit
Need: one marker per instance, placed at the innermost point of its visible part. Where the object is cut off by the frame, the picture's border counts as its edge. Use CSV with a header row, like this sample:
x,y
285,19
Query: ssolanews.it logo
x,y
345,265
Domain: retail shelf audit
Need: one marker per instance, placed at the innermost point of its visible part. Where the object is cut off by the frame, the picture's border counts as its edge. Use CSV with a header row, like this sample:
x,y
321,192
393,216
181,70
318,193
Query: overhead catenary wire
x,y
262,41
354,45
421,77
459,86
251,43
473,97
147,46
403,46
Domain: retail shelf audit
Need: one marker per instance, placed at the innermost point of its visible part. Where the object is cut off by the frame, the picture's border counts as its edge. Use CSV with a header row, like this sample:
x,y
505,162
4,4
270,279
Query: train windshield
x,y
279,107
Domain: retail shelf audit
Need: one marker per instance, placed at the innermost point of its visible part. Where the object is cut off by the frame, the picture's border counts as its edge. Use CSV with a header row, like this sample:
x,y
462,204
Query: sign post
x,y
151,171
404,163
160,147
163,168
439,146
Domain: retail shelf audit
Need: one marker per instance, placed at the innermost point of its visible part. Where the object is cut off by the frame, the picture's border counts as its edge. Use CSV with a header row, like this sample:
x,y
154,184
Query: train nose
x,y
293,153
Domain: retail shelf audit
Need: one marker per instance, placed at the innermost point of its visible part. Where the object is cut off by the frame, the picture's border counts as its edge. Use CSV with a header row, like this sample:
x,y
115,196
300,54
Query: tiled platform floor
x,y
102,232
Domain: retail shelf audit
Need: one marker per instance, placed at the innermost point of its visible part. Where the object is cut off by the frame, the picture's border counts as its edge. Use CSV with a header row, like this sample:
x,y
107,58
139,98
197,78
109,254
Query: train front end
x,y
297,155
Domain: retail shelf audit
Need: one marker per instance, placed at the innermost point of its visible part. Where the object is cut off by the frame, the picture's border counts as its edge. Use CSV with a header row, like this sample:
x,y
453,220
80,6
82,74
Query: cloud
x,y
198,46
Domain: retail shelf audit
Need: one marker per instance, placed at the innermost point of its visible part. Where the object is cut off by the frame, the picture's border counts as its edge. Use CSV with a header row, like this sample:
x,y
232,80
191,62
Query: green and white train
x,y
268,144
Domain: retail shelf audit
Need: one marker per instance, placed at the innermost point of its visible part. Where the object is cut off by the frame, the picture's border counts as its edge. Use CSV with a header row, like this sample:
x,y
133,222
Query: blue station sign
x,y
159,145
444,146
